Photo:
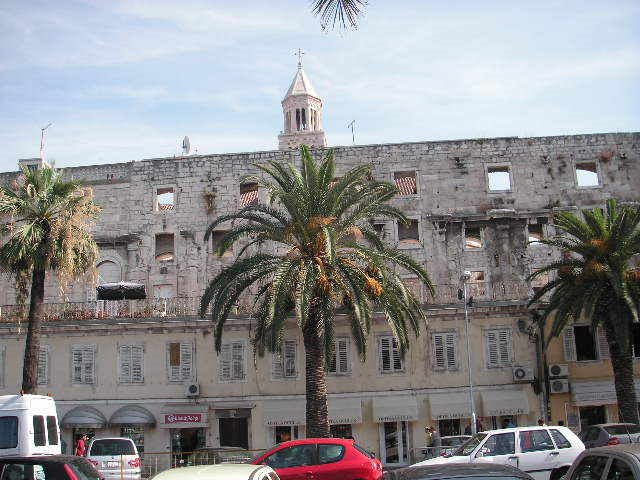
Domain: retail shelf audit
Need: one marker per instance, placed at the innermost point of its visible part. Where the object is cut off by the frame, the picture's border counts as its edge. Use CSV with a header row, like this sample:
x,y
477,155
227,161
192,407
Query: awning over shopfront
x,y
83,417
446,406
284,412
184,415
345,411
132,415
596,393
504,402
394,408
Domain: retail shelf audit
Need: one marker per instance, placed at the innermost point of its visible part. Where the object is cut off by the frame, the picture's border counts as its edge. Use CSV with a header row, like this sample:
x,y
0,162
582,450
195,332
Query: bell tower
x,y
302,111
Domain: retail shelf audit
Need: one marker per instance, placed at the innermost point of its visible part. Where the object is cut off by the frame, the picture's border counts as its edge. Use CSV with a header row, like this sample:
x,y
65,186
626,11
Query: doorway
x,y
185,441
394,443
234,432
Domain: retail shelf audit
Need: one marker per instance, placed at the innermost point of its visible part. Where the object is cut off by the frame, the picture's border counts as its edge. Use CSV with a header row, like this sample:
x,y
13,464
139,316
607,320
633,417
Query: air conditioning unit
x,y
522,374
560,385
192,390
557,370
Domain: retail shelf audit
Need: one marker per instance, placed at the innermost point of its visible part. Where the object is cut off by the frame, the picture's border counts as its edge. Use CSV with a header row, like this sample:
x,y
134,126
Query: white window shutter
x,y
137,363
397,361
88,364
450,349
276,364
43,365
385,354
343,364
438,351
76,361
238,361
224,360
569,343
603,345
186,361
491,340
290,348
504,339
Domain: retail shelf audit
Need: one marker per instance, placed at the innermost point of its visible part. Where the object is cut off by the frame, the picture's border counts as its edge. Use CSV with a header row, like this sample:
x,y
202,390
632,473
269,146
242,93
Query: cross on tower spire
x,y
299,53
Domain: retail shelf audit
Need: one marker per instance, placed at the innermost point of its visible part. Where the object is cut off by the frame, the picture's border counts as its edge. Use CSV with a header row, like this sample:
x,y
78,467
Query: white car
x,y
116,458
223,471
546,453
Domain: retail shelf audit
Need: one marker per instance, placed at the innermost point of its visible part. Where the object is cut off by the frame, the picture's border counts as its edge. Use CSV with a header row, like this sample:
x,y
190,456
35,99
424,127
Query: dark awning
x,y
132,415
83,417
121,291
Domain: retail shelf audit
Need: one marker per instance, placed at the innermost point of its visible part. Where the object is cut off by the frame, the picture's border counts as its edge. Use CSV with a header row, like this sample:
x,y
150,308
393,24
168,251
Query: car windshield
x,y
364,451
622,429
469,446
111,446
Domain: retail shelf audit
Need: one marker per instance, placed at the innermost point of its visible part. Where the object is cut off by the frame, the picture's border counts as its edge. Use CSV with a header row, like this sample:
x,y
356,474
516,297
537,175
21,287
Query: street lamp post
x,y
464,279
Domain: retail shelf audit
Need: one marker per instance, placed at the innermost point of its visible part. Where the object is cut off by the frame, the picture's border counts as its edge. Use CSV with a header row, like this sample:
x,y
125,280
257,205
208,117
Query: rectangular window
x,y
444,351
586,347
43,365
341,430
136,434
164,247
408,235
534,234
498,347
52,430
216,239
473,238
535,441
131,364
587,174
406,183
594,415
39,433
500,444
284,363
340,360
8,432
379,228
248,194
499,178
231,362
83,364
389,355
165,199
477,284
180,361
284,433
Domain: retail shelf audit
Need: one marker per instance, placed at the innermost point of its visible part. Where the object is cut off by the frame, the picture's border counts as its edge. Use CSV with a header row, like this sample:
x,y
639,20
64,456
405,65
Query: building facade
x,y
147,368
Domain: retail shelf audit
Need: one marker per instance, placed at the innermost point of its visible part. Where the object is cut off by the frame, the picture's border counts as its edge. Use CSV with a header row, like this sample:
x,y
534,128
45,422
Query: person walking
x,y
81,445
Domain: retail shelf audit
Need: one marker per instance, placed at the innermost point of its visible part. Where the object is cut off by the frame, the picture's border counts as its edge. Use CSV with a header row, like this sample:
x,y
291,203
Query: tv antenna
x,y
42,130
186,146
352,125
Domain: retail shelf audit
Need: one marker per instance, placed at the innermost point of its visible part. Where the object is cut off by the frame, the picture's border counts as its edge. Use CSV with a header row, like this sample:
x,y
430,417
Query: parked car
x,y
322,458
479,471
544,452
610,434
619,462
115,458
213,455
225,471
449,444
55,467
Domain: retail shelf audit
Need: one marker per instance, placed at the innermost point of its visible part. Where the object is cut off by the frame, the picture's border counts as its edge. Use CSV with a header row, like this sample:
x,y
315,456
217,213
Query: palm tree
x,y
45,222
342,12
596,280
325,256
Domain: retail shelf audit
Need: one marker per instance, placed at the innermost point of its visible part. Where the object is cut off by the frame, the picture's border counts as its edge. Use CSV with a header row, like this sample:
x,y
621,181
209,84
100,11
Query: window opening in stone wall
x,y
408,234
477,284
216,240
539,282
164,247
406,182
585,341
379,229
297,119
499,178
287,125
587,174
303,115
473,238
248,194
535,234
165,199
341,430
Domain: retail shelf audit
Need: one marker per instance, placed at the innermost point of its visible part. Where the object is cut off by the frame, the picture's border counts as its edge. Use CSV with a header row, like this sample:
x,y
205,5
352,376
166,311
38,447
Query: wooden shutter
x,y
438,351
186,361
174,361
397,361
137,363
124,364
491,340
276,366
76,364
43,365
238,361
603,345
290,358
88,364
385,354
504,347
569,343
450,351
224,359
342,352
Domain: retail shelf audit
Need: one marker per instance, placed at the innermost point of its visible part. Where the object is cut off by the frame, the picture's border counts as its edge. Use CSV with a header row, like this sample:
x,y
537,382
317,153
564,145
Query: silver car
x,y
618,462
610,434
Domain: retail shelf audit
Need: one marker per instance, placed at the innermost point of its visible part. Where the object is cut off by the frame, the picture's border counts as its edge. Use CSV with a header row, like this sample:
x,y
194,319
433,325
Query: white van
x,y
28,426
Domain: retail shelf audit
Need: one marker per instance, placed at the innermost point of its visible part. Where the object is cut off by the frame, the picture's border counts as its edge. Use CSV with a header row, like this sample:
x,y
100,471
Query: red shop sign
x,y
183,418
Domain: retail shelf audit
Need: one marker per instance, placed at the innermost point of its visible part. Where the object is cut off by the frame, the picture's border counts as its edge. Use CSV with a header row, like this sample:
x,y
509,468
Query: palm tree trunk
x,y
32,345
316,382
618,334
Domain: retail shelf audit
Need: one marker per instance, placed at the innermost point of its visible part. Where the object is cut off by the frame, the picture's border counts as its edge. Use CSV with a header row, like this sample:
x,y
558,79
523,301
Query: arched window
x,y
109,272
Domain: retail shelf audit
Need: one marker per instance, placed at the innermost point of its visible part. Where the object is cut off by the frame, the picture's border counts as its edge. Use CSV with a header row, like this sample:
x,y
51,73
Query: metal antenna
x,y
42,130
353,135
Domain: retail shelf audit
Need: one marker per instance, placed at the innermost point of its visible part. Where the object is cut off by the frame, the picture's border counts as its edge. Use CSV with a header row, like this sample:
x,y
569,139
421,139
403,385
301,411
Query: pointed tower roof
x,y
301,85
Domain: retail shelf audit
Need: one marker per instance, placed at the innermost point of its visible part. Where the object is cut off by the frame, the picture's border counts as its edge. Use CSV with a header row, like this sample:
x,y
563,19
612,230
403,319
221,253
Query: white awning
x,y
504,402
394,408
345,411
83,417
596,393
284,412
132,415
184,415
445,406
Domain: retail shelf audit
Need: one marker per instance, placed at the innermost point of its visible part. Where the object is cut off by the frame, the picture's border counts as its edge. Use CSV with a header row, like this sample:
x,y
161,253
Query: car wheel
x,y
558,473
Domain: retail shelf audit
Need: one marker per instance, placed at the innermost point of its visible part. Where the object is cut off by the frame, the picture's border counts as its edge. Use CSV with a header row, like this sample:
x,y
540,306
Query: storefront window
x,y
135,433
449,427
394,443
341,431
592,416
284,433
183,442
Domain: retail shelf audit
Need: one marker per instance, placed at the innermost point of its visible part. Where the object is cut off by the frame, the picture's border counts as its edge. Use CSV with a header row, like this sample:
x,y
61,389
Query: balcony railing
x,y
189,306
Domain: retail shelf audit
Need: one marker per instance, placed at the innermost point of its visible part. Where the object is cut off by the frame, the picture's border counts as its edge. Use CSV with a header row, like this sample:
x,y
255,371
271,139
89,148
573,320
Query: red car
x,y
322,459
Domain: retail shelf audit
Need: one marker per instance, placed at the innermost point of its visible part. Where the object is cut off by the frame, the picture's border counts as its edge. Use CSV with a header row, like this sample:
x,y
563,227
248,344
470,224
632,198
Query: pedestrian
x,y
428,441
81,445
541,422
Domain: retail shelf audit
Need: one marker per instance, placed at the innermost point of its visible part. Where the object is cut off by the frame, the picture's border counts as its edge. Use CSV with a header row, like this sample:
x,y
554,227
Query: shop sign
x,y
282,422
344,420
507,411
451,415
183,418
395,418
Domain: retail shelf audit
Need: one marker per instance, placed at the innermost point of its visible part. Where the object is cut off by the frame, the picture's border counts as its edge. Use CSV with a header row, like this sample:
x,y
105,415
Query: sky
x,y
124,80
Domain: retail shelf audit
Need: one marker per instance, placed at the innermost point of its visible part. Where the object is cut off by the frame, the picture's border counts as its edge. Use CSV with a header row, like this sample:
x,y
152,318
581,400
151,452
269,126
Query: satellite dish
x,y
186,146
